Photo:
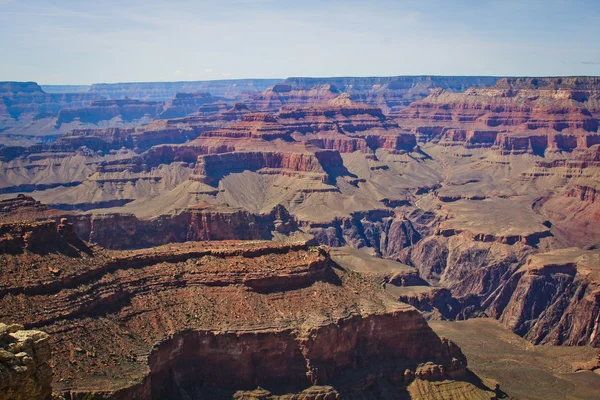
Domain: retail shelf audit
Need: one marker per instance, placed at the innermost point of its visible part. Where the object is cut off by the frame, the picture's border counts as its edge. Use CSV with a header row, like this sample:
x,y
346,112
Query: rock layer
x,y
278,315
24,370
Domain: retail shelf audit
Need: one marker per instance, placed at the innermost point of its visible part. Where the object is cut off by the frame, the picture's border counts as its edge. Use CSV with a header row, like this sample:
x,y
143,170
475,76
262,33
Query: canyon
x,y
306,233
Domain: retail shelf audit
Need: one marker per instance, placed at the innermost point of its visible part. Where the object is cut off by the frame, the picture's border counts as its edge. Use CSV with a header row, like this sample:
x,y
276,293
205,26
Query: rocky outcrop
x,y
120,231
164,91
186,103
389,93
282,94
253,125
32,236
540,144
27,101
345,125
140,139
211,168
321,355
25,373
276,313
102,140
105,110
27,113
27,224
554,114
378,229
584,193
553,298
575,214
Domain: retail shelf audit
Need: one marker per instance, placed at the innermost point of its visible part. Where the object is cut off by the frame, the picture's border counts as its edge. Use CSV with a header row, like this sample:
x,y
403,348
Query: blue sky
x,y
86,41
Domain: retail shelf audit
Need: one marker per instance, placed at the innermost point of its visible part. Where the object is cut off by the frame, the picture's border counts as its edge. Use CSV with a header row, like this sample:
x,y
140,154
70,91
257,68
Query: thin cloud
x,y
590,62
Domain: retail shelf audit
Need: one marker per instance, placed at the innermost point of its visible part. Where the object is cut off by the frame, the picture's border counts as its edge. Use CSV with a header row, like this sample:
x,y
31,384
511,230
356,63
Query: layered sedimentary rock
x,y
171,321
554,298
186,103
496,180
164,91
105,110
201,223
516,115
27,100
27,112
104,140
27,223
25,372
575,214
380,229
253,125
345,125
282,94
322,165
388,93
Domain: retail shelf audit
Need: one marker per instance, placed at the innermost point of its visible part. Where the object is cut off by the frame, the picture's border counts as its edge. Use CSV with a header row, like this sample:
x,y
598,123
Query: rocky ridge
x,y
252,296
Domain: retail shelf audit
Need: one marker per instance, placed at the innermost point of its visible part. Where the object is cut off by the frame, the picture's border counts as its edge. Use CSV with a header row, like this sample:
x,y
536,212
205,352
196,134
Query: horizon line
x,y
309,77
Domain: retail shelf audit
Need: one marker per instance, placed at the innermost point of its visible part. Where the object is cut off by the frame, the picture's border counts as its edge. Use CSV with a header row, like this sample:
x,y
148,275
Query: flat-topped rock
x,y
486,220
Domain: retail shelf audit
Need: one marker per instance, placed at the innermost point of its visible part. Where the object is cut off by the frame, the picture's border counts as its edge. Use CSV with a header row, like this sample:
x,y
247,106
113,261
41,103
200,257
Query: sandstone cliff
x,y
186,103
25,373
170,321
558,114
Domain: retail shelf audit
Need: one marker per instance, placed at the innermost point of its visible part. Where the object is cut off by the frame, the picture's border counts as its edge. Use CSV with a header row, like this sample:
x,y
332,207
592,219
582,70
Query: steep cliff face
x,y
381,230
139,139
186,103
171,321
24,98
118,231
575,214
25,373
27,101
164,91
555,298
345,125
323,355
27,112
556,114
105,110
390,93
253,125
546,297
282,94
211,168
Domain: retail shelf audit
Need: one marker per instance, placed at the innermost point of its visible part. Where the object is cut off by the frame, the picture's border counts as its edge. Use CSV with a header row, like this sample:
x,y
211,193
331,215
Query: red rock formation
x,y
185,103
344,125
255,125
211,168
554,298
146,324
282,94
119,231
323,355
575,215
551,113
388,93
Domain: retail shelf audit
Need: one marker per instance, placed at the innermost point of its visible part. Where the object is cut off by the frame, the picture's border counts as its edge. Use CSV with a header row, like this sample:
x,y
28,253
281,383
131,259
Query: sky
x,y
89,41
